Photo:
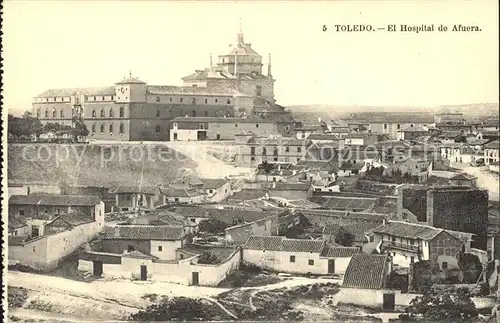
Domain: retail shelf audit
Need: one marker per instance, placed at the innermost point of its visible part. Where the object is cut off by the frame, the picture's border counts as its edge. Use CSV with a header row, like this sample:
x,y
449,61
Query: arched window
x,y
93,114
122,130
102,113
93,128
46,114
275,153
54,114
102,128
61,114
111,113
111,128
193,113
206,101
264,151
157,99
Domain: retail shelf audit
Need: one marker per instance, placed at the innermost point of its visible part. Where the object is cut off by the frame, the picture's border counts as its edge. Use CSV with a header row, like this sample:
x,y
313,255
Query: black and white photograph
x,y
254,161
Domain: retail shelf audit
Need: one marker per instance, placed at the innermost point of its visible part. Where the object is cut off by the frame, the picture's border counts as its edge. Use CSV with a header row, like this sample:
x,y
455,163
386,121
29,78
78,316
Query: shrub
x,y
16,296
208,258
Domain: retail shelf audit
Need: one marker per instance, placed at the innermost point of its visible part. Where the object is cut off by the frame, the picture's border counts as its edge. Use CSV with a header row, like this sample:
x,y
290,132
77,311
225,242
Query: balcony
x,y
398,245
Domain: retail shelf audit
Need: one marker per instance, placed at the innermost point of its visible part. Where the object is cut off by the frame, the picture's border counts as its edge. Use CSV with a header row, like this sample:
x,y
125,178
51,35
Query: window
x,y
34,249
61,114
252,150
102,113
275,151
201,126
127,197
299,149
157,99
182,256
158,112
193,100
287,149
275,158
264,151
216,100
228,101
444,265
103,98
412,259
411,125
206,101
175,125
175,136
210,191
54,113
102,128
193,220
170,99
21,212
122,130
311,262
385,126
193,113
236,125
130,248
292,258
258,90
111,129
93,128
160,248
206,113
157,129
181,99
393,238
257,125
93,98
399,126
46,114
252,158
122,112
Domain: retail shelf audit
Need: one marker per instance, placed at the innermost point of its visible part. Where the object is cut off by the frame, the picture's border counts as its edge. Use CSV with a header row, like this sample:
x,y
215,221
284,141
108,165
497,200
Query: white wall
x,y
185,134
280,261
168,249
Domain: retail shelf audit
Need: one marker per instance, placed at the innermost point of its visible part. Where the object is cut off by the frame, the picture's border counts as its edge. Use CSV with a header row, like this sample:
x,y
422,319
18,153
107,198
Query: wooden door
x,y
97,268
196,278
144,272
389,302
331,266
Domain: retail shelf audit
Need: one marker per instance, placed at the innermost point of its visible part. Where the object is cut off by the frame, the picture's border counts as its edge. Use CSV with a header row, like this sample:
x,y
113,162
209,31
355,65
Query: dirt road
x,y
485,178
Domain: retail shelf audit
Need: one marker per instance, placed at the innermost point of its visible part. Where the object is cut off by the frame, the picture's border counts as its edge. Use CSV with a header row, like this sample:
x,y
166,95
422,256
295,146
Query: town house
x,y
128,198
410,242
297,256
492,152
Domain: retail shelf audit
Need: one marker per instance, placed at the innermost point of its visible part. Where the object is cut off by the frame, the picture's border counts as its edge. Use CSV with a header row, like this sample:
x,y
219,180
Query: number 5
x,y
324,28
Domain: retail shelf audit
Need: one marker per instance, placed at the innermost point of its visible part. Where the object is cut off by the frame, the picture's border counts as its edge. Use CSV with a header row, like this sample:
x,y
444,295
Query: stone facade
x,y
444,248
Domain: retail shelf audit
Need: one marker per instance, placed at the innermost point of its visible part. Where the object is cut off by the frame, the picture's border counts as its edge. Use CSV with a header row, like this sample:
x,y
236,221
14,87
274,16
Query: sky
x,y
60,44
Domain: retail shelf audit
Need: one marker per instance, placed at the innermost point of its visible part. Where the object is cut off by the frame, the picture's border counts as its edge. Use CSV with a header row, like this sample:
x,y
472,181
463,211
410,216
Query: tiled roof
x,y
288,186
179,192
492,145
53,199
229,216
142,232
414,129
408,230
348,203
309,128
248,194
279,142
222,253
191,90
17,240
152,190
365,271
137,255
352,216
71,219
209,183
316,165
323,136
131,80
220,120
338,252
101,90
242,49
263,243
302,245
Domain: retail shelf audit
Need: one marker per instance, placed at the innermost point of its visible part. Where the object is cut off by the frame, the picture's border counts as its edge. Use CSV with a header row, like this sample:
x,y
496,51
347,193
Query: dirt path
x,y
485,179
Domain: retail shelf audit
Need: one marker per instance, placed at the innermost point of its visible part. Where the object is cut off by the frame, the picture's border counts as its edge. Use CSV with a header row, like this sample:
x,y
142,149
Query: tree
x,y
439,306
344,238
213,226
24,126
208,258
79,130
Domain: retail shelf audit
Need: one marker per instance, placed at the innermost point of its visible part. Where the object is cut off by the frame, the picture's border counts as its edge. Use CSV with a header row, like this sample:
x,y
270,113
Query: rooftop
x,y
220,120
142,232
365,271
248,194
408,230
345,203
227,215
53,199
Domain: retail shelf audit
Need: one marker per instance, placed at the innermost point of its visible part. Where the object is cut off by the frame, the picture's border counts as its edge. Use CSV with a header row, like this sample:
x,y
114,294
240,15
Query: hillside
x,y
92,164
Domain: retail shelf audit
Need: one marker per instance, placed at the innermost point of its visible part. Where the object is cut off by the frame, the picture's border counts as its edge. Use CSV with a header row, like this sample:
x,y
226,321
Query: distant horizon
x,y
85,42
